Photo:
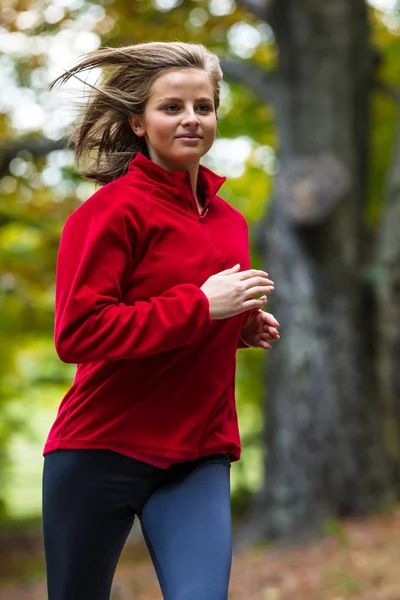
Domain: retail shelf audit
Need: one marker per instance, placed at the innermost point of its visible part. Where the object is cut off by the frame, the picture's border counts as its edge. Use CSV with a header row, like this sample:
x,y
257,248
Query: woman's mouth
x,y
188,138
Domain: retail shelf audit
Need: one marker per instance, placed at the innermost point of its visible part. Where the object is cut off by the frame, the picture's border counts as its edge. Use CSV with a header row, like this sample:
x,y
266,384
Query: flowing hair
x,y
104,140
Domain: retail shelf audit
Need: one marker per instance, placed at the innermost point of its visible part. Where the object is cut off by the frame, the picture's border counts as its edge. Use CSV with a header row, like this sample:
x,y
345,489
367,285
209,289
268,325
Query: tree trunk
x,y
388,294
324,455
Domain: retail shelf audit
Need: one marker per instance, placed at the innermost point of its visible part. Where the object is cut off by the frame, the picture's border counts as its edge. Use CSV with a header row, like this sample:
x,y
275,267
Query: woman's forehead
x,y
180,81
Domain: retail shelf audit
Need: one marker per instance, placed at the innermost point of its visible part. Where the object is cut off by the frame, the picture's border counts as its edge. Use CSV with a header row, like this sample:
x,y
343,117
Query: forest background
x,y
308,138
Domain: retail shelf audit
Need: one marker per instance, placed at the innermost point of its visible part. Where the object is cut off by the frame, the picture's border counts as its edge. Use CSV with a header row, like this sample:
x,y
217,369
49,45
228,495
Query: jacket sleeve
x,y
91,323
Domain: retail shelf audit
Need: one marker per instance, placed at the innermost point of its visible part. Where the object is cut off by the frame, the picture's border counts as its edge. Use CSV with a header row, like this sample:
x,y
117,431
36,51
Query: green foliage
x,y
335,528
348,585
384,118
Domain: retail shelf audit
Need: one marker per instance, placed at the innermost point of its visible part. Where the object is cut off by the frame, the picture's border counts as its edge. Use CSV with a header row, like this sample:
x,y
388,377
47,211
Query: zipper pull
x,y
201,217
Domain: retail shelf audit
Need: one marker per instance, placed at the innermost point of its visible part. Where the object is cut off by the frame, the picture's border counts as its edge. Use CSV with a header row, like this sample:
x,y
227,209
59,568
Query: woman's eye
x,y
204,108
171,108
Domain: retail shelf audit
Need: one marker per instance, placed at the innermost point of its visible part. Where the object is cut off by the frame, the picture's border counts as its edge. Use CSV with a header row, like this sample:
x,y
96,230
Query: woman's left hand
x,y
260,329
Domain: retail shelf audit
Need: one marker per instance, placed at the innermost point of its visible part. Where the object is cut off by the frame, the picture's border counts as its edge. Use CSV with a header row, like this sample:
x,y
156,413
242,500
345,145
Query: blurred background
x,y
308,138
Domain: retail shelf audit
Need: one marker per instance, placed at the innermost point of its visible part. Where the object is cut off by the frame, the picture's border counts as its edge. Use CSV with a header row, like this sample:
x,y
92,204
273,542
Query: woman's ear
x,y
137,126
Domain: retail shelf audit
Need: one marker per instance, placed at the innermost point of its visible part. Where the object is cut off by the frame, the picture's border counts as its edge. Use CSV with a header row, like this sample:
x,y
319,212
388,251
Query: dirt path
x,y
359,560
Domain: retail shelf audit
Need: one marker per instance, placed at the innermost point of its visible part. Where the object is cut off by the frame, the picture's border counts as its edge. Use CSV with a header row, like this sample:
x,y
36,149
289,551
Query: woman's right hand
x,y
232,291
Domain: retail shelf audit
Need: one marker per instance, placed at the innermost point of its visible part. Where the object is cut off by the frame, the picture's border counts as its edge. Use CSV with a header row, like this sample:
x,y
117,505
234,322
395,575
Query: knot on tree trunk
x,y
309,187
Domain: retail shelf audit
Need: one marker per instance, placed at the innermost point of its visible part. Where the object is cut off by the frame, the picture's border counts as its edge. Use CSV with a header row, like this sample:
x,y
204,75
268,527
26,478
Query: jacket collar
x,y
174,181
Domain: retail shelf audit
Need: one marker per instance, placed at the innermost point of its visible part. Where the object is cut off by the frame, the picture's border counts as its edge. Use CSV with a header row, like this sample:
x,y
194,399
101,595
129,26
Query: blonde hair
x,y
104,139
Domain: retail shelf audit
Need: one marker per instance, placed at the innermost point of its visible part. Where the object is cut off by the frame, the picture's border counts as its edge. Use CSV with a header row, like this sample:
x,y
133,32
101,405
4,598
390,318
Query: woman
x,y
154,293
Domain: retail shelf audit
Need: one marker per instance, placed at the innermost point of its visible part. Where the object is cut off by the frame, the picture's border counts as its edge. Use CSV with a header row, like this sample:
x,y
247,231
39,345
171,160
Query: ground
x,y
357,560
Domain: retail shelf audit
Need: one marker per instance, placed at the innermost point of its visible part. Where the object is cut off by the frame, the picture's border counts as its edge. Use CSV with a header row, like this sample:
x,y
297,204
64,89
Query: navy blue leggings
x,y
90,499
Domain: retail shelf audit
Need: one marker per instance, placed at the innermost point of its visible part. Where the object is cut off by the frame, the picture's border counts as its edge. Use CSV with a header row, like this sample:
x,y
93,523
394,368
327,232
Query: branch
x,y
35,146
265,84
258,8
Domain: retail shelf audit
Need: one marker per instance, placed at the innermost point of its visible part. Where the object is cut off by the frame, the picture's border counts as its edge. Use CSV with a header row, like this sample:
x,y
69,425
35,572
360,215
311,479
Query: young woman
x,y
154,293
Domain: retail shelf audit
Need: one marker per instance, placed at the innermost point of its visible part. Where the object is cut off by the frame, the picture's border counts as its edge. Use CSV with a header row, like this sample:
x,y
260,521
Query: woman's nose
x,y
190,118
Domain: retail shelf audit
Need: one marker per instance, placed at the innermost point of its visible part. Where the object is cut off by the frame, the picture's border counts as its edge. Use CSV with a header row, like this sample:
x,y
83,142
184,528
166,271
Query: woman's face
x,y
179,122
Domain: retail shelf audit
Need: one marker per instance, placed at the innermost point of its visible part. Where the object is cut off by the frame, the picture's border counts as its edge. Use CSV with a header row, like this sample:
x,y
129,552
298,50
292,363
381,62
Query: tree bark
x,y
323,435
387,272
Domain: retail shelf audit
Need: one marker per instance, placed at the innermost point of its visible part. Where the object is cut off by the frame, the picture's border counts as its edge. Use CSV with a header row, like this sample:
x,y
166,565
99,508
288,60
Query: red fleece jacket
x,y
154,372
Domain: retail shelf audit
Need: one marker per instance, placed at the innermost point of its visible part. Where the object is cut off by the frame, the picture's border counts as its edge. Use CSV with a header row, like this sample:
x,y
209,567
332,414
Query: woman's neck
x,y
193,180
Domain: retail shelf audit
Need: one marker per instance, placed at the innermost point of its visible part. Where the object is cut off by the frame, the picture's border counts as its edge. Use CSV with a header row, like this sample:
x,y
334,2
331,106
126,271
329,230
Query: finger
x,y
252,273
233,269
253,304
259,291
260,325
269,319
264,301
265,335
258,281
271,331
268,338
265,345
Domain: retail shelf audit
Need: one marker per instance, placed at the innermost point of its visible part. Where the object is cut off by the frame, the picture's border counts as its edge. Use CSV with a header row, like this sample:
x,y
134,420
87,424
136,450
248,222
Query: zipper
x,y
214,245
200,218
